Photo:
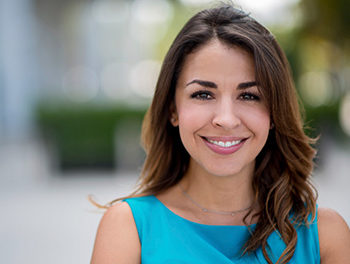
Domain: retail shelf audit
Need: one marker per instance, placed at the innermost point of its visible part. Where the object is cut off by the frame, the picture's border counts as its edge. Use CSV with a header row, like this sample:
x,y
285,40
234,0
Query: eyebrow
x,y
246,85
209,84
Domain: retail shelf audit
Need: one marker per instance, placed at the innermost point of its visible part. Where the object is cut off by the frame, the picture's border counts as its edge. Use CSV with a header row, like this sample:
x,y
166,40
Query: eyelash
x,y
246,96
198,95
252,96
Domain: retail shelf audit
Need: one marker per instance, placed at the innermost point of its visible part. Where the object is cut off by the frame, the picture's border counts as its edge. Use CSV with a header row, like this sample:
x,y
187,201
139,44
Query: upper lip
x,y
225,138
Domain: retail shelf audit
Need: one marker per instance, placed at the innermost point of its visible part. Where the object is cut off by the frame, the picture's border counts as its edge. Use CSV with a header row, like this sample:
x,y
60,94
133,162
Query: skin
x,y
213,179
229,108
334,237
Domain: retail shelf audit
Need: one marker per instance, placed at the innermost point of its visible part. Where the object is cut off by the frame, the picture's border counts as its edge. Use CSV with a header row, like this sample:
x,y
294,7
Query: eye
x,y
249,97
202,95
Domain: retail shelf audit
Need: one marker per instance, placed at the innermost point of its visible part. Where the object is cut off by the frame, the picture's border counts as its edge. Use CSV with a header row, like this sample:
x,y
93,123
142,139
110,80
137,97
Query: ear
x,y
173,115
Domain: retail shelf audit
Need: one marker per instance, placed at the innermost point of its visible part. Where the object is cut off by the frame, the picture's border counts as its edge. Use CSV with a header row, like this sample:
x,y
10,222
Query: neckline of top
x,y
199,224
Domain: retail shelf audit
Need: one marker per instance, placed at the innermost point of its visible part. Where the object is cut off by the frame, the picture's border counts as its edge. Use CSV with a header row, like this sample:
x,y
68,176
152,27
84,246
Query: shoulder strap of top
x,y
143,210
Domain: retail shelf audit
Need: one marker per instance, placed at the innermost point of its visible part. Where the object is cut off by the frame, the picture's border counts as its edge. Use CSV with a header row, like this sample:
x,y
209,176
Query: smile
x,y
224,146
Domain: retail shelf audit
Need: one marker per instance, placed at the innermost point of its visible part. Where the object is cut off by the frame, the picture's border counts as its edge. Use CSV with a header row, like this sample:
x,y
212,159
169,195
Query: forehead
x,y
218,61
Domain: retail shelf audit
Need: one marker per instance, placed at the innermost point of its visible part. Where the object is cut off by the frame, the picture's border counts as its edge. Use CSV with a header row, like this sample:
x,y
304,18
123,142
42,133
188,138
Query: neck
x,y
223,193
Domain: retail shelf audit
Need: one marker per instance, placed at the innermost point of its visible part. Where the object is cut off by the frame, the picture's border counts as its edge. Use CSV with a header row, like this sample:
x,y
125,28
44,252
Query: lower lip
x,y
222,150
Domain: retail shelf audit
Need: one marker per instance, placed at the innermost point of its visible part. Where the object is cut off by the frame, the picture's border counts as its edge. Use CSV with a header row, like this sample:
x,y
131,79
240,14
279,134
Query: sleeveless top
x,y
166,237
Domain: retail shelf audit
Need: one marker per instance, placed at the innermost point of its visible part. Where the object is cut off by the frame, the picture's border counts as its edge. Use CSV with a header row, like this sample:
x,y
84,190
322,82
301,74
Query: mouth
x,y
224,145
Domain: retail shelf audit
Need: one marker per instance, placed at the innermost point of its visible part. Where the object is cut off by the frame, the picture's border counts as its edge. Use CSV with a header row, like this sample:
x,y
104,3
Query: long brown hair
x,y
281,181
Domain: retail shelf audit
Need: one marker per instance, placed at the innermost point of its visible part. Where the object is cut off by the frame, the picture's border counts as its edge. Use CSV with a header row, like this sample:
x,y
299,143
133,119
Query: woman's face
x,y
222,118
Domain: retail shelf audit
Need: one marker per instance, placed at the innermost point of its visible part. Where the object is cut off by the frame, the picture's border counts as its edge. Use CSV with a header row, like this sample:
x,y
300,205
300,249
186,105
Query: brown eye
x,y
202,95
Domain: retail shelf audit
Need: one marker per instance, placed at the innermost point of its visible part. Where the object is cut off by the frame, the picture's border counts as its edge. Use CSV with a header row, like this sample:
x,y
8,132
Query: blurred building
x,y
76,51
18,67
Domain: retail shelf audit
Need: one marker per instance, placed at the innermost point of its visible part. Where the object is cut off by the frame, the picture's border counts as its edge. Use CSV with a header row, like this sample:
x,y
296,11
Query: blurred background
x,y
76,77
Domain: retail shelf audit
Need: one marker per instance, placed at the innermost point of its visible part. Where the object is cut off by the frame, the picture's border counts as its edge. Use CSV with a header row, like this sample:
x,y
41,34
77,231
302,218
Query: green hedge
x,y
84,136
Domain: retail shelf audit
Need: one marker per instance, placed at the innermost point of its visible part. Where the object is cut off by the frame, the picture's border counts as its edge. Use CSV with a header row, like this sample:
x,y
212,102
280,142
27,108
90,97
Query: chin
x,y
229,170
224,172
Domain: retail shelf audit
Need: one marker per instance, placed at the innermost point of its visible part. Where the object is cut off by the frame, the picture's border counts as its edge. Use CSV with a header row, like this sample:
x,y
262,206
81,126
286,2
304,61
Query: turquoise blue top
x,y
168,238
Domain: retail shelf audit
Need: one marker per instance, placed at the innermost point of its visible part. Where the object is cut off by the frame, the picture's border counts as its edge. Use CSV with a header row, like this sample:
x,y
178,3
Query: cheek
x,y
258,120
192,116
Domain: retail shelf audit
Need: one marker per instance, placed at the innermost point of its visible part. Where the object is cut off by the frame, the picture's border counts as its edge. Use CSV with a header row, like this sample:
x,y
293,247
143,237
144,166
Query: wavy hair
x,y
281,181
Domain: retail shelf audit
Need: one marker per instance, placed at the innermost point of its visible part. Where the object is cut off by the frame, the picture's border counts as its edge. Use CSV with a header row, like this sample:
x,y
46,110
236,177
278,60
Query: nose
x,y
227,115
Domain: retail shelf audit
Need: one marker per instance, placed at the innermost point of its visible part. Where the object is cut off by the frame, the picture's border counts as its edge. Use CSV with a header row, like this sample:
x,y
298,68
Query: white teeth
x,y
225,144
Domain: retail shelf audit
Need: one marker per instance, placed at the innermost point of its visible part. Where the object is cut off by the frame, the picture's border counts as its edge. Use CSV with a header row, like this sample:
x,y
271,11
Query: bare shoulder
x,y
117,239
334,237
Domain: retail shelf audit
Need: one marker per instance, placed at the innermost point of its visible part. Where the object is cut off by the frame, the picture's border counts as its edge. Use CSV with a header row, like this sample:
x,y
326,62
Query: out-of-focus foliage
x,y
327,19
86,136
318,50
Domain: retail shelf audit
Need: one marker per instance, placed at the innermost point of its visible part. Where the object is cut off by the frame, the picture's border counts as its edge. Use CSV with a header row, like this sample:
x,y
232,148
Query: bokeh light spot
x,y
143,77
345,114
113,81
108,11
150,20
316,88
80,84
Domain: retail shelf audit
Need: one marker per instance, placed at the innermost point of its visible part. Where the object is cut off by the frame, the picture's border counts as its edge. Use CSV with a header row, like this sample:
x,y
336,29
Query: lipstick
x,y
224,147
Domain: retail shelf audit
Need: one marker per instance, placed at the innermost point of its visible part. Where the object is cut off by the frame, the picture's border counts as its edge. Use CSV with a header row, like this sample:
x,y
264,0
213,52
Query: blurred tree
x,y
327,19
320,57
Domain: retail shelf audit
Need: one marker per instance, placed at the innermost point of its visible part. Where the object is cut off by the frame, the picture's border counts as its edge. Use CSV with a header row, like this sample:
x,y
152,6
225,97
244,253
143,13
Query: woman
x,y
226,178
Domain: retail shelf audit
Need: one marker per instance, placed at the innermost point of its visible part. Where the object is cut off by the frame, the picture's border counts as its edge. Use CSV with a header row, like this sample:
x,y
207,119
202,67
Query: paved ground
x,y
46,218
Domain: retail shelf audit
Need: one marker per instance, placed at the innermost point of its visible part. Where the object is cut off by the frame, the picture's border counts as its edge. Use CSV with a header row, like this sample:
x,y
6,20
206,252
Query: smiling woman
x,y
227,173
219,111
